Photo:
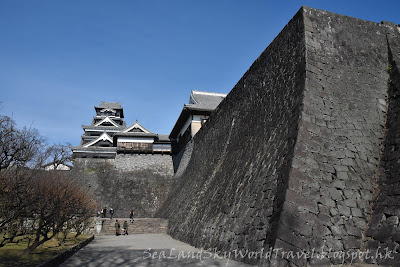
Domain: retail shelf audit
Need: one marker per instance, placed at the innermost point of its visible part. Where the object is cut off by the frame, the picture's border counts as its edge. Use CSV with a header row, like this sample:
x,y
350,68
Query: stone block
x,y
362,203
344,210
288,235
335,194
295,223
384,234
356,212
316,243
349,203
360,223
294,184
350,194
354,231
342,175
365,194
320,230
392,220
333,243
351,184
290,207
350,242
372,244
288,252
308,217
337,230
327,201
334,211
340,184
324,219
323,209
302,202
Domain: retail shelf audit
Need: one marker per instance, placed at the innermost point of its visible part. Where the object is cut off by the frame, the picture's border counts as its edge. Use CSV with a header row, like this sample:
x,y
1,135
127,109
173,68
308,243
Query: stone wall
x,y
160,164
383,228
337,152
230,194
181,160
139,182
291,158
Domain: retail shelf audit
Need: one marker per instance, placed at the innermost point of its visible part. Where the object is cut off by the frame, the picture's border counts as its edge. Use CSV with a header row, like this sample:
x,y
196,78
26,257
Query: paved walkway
x,y
143,250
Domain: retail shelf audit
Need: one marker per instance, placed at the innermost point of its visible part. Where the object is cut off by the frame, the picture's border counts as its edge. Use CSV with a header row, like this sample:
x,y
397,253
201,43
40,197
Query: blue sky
x,y
58,59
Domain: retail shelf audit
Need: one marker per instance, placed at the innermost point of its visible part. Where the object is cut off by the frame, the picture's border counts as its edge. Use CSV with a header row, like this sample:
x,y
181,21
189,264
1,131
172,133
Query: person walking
x,y
125,226
117,228
104,212
131,215
111,213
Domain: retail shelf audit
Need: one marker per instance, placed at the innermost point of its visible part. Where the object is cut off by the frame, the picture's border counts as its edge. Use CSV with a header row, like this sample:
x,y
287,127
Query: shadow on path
x,y
144,250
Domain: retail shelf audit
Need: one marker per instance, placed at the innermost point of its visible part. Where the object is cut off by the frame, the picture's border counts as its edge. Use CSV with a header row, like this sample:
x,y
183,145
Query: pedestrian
x,y
98,213
131,215
117,228
125,226
111,213
101,213
104,212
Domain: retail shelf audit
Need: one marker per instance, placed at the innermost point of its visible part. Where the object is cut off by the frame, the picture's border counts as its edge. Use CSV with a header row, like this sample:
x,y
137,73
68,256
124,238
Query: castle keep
x,y
108,135
123,167
304,152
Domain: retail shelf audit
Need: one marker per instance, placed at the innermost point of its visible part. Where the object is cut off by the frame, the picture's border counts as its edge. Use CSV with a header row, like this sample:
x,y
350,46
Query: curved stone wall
x,y
292,158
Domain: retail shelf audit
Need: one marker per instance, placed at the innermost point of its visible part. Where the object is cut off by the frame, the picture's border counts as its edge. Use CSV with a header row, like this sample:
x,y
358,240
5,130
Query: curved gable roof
x,y
102,137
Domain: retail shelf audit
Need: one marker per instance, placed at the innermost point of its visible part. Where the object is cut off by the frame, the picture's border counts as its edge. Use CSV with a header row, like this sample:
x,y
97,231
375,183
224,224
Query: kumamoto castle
x,y
302,155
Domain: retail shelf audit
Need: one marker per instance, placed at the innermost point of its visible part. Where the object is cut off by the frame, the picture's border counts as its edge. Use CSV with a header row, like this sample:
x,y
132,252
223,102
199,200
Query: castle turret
x,y
108,134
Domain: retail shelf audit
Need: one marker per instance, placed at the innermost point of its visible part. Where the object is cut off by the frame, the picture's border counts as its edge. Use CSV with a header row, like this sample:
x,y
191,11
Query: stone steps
x,y
138,226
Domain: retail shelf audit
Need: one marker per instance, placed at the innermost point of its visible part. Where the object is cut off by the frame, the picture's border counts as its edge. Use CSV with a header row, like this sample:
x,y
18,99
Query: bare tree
x,y
60,202
16,201
34,203
56,155
17,147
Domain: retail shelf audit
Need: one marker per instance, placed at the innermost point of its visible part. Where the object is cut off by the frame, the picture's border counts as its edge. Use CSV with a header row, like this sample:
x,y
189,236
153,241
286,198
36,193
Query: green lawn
x,y
11,254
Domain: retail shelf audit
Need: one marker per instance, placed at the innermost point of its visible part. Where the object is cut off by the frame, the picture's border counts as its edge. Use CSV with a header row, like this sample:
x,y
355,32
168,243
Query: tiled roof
x,y
138,126
163,138
137,134
111,105
201,103
123,126
93,148
109,128
89,137
204,100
